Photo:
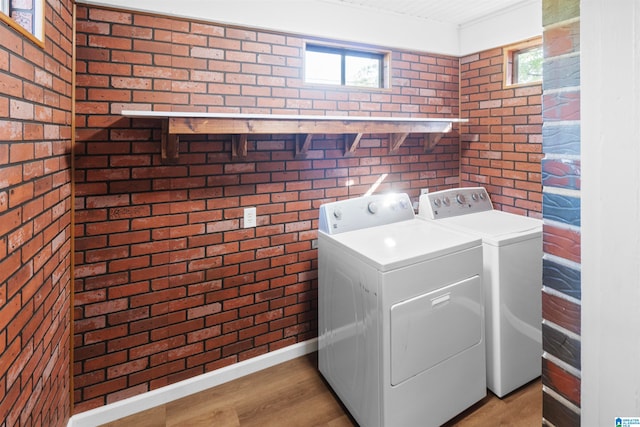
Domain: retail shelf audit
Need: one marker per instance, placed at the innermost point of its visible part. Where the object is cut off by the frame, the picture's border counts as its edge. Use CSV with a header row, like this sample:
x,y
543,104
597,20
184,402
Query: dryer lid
x,y
404,243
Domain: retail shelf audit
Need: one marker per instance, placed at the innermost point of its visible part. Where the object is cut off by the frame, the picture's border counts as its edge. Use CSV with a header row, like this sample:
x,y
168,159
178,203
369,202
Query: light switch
x,y
249,217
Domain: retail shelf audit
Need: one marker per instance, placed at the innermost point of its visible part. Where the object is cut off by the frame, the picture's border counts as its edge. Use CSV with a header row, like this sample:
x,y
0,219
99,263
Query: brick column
x,y
561,212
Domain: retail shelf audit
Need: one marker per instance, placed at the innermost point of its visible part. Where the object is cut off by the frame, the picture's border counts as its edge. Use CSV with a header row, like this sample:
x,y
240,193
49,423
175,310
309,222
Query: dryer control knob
x,y
404,204
461,199
446,201
474,197
373,208
482,196
436,203
337,213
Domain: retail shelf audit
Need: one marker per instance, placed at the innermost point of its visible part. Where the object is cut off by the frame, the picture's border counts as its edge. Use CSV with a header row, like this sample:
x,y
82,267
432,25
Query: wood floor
x,y
294,394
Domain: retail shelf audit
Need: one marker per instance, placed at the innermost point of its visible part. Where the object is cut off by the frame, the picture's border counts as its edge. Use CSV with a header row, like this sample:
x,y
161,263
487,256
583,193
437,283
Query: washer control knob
x,y
461,199
337,213
404,204
373,208
436,203
446,201
474,197
482,195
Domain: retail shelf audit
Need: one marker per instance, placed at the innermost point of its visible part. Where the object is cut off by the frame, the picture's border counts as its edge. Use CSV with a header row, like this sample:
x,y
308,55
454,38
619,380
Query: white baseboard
x,y
148,400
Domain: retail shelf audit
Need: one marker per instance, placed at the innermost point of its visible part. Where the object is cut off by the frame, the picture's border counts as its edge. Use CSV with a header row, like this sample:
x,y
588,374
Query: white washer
x,y
512,252
401,316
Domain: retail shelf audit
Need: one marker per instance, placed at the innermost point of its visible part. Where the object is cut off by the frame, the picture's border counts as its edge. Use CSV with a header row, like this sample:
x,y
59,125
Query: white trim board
x,y
148,400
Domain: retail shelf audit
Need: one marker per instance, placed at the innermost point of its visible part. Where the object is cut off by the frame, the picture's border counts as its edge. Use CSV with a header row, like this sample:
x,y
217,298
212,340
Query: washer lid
x,y
497,227
403,243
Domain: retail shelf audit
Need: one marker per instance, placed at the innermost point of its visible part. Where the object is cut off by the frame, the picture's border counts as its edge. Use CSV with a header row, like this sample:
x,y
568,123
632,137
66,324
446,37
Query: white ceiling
x,y
457,12
450,27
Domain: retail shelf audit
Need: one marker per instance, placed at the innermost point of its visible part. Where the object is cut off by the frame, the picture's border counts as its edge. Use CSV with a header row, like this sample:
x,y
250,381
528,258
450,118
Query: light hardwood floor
x,y
294,394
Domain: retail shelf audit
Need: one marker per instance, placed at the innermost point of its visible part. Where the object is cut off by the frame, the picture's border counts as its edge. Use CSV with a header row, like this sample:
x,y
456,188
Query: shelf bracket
x,y
431,140
396,139
239,146
351,141
303,142
170,145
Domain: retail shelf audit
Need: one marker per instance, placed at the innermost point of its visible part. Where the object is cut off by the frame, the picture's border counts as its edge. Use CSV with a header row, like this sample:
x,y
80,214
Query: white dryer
x,y
401,317
512,252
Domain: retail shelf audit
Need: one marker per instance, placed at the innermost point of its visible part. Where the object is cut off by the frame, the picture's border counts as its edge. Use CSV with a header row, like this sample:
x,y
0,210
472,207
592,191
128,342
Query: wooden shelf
x,y
239,126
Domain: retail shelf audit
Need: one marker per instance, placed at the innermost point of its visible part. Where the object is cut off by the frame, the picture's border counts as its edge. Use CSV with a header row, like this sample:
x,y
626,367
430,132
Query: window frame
x,y
344,51
37,36
510,63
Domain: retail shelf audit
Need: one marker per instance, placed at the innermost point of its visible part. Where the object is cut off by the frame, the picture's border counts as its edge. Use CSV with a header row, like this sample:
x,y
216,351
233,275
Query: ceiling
x,y
448,27
457,12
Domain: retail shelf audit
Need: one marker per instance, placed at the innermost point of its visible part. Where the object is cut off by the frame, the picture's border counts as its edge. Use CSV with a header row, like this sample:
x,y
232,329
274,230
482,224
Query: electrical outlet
x,y
424,191
249,217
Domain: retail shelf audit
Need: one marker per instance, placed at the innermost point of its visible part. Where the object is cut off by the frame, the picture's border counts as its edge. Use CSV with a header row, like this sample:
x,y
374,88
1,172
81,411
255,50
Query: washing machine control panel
x,y
365,212
454,202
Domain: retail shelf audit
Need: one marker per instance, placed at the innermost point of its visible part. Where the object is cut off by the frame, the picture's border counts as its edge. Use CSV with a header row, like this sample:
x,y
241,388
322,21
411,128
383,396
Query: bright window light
x,y
523,63
323,68
344,67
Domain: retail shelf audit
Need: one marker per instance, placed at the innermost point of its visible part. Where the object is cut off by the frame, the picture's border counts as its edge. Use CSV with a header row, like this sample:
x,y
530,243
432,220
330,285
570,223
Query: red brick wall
x,y
501,146
168,284
35,218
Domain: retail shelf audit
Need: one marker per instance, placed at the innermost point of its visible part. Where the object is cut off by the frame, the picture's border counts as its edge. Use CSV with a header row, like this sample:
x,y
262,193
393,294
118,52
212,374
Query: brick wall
x,y
561,296
501,146
168,283
35,218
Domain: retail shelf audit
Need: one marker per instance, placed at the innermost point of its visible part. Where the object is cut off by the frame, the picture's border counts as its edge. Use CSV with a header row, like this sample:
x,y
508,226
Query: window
x,y
344,67
27,17
523,63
